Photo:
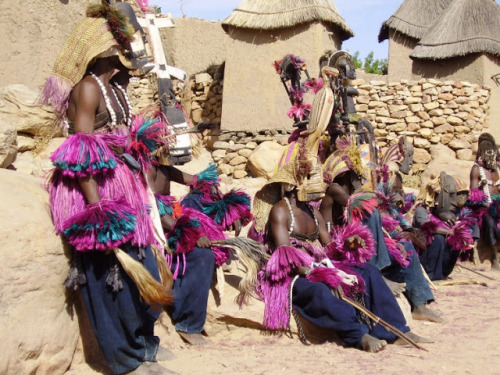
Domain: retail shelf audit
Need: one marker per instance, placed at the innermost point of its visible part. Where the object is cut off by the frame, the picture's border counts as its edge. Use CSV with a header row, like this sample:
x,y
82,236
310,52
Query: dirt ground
x,y
466,343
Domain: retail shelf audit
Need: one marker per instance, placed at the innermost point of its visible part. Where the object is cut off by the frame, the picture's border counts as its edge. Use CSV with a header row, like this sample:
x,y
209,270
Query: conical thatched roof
x,y
465,27
277,14
413,18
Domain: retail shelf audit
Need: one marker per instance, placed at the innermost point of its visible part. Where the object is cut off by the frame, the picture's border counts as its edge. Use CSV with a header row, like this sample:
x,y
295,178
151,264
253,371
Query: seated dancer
x,y
446,229
485,197
397,260
190,226
299,265
99,196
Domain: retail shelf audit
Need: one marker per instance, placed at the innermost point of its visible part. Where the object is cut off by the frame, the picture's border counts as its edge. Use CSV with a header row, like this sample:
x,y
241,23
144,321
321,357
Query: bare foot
x,y
163,354
396,288
195,339
422,312
371,344
414,338
151,368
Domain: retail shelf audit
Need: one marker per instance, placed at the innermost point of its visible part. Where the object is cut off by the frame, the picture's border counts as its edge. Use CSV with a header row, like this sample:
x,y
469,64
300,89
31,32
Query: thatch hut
x,y
261,32
404,29
463,44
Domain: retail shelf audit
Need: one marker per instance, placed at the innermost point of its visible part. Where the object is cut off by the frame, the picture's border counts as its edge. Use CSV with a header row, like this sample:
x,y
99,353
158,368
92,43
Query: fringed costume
x,y
122,322
204,211
444,243
304,276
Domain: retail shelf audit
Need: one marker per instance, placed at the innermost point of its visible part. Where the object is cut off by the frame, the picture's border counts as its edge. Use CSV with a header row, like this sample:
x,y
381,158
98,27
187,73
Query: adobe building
x,y
448,40
260,33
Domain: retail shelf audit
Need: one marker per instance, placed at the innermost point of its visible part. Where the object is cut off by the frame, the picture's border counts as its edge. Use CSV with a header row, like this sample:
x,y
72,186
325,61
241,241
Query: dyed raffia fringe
x,y
167,204
82,155
147,136
460,239
476,198
233,206
101,226
359,206
209,175
338,250
284,260
398,251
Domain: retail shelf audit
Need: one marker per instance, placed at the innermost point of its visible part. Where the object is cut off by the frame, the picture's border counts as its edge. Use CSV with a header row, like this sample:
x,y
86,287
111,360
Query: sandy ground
x,y
466,343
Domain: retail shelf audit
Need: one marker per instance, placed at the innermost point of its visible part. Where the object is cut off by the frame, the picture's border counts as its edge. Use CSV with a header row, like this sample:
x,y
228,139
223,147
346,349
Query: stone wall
x,y
429,112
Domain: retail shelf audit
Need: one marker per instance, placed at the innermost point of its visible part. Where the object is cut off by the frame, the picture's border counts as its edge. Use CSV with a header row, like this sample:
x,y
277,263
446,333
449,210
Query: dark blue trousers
x,y
123,325
418,291
438,260
191,289
316,303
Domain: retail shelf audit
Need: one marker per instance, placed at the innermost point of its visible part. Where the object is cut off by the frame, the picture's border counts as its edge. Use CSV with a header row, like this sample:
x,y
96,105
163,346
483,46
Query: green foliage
x,y
156,9
370,65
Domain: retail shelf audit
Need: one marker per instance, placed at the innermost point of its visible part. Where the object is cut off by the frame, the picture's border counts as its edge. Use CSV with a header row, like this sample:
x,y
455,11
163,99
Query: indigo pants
x,y
438,260
417,288
316,303
122,323
418,291
191,289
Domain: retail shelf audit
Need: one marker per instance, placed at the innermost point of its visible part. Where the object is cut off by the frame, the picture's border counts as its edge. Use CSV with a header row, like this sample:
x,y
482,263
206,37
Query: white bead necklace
x,y
109,107
486,188
127,101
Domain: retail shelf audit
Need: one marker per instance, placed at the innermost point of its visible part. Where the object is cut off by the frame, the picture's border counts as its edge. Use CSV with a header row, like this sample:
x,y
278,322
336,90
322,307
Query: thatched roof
x,y
277,14
465,27
413,18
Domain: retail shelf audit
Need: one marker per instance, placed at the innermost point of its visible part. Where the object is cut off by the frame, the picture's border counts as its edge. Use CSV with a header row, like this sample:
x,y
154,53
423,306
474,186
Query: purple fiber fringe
x,y
283,260
87,152
277,304
339,234
461,238
207,228
236,211
256,235
56,92
395,248
326,276
67,199
95,215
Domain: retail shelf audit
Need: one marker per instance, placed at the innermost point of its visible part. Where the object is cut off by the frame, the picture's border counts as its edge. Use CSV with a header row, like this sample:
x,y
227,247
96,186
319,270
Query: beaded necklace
x,y
127,101
485,187
109,107
292,224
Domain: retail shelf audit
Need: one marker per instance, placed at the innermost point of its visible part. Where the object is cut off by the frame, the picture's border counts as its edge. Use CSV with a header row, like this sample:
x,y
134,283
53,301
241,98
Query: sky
x,y
364,17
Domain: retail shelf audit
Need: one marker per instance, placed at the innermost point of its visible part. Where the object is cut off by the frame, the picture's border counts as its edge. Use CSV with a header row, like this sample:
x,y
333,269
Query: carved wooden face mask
x,y
446,199
407,162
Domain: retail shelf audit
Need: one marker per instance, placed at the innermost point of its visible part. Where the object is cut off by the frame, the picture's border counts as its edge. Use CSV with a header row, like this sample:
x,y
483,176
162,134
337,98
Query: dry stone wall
x,y
430,112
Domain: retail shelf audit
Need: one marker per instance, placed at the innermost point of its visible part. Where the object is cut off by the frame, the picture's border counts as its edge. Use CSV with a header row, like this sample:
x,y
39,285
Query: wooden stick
x,y
382,322
462,282
476,272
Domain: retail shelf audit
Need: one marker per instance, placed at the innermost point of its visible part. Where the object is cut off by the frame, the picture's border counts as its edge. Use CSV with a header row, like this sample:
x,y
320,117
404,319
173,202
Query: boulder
x,y
8,145
19,107
39,333
263,160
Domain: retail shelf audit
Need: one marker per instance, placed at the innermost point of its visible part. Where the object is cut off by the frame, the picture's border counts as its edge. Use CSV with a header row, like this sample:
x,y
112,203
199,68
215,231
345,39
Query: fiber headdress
x,y
333,167
104,32
352,156
270,193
